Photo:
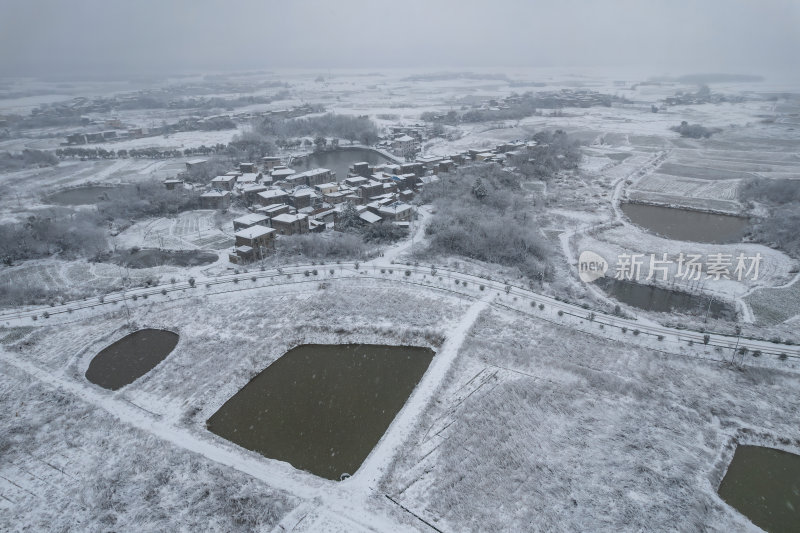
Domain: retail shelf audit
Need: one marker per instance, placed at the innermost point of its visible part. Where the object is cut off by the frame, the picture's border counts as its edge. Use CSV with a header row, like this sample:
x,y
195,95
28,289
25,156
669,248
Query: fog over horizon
x,y
51,38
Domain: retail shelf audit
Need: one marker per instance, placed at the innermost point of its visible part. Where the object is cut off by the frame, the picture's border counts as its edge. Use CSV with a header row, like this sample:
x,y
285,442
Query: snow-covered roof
x,y
216,193
223,179
249,219
273,193
313,172
395,208
304,192
281,172
248,177
286,218
254,232
405,138
369,217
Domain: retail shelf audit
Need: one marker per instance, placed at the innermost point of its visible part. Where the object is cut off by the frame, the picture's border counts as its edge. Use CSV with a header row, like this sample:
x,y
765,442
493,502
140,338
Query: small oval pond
x,y
686,224
339,160
764,485
322,408
661,300
130,358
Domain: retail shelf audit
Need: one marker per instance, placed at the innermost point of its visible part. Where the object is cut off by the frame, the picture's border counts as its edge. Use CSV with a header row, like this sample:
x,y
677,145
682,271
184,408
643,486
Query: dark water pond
x,y
339,160
764,485
90,194
686,224
323,408
662,300
130,358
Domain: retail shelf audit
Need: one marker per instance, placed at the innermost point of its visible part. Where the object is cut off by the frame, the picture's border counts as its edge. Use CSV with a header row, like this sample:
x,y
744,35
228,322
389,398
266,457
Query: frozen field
x,y
603,436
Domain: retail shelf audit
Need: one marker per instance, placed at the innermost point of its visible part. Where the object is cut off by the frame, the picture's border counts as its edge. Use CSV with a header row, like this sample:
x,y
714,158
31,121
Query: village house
x,y
223,182
404,146
250,220
215,199
274,210
171,183
295,180
355,182
287,224
250,192
325,215
248,178
368,217
273,196
253,243
270,162
247,168
361,169
325,188
337,197
194,164
311,177
303,197
281,173
396,212
370,189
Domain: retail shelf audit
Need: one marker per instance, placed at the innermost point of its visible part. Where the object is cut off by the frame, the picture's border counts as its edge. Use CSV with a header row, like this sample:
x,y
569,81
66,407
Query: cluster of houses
x,y
282,201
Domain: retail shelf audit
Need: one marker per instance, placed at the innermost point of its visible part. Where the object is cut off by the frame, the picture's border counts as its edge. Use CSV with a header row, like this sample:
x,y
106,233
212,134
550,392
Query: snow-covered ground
x,y
528,418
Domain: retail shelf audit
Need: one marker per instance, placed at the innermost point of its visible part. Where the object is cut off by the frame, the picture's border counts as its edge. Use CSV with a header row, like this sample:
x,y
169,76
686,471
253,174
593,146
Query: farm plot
x,y
576,434
191,230
67,465
702,172
772,306
716,195
72,279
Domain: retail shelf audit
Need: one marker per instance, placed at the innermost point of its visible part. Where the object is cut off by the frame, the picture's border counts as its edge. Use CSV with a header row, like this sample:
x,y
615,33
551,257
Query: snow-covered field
x,y
528,421
542,428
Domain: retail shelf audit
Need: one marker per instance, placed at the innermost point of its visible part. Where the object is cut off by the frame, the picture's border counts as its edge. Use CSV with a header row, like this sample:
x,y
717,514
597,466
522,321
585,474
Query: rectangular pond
x,y
764,485
687,224
661,300
323,408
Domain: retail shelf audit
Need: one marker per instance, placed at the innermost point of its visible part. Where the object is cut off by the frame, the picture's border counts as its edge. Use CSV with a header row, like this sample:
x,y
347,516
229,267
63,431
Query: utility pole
x,y
705,320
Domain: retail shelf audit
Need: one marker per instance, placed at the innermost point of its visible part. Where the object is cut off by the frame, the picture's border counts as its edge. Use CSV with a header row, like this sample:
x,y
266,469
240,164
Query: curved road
x,y
566,313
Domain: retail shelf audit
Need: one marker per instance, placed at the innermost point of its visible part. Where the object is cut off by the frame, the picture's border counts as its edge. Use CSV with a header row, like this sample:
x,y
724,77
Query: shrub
x,y
636,332
560,312
408,273
541,307
706,338
164,292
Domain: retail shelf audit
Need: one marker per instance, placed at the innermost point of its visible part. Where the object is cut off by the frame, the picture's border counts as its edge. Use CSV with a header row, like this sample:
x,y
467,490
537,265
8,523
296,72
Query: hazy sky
x,y
160,36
